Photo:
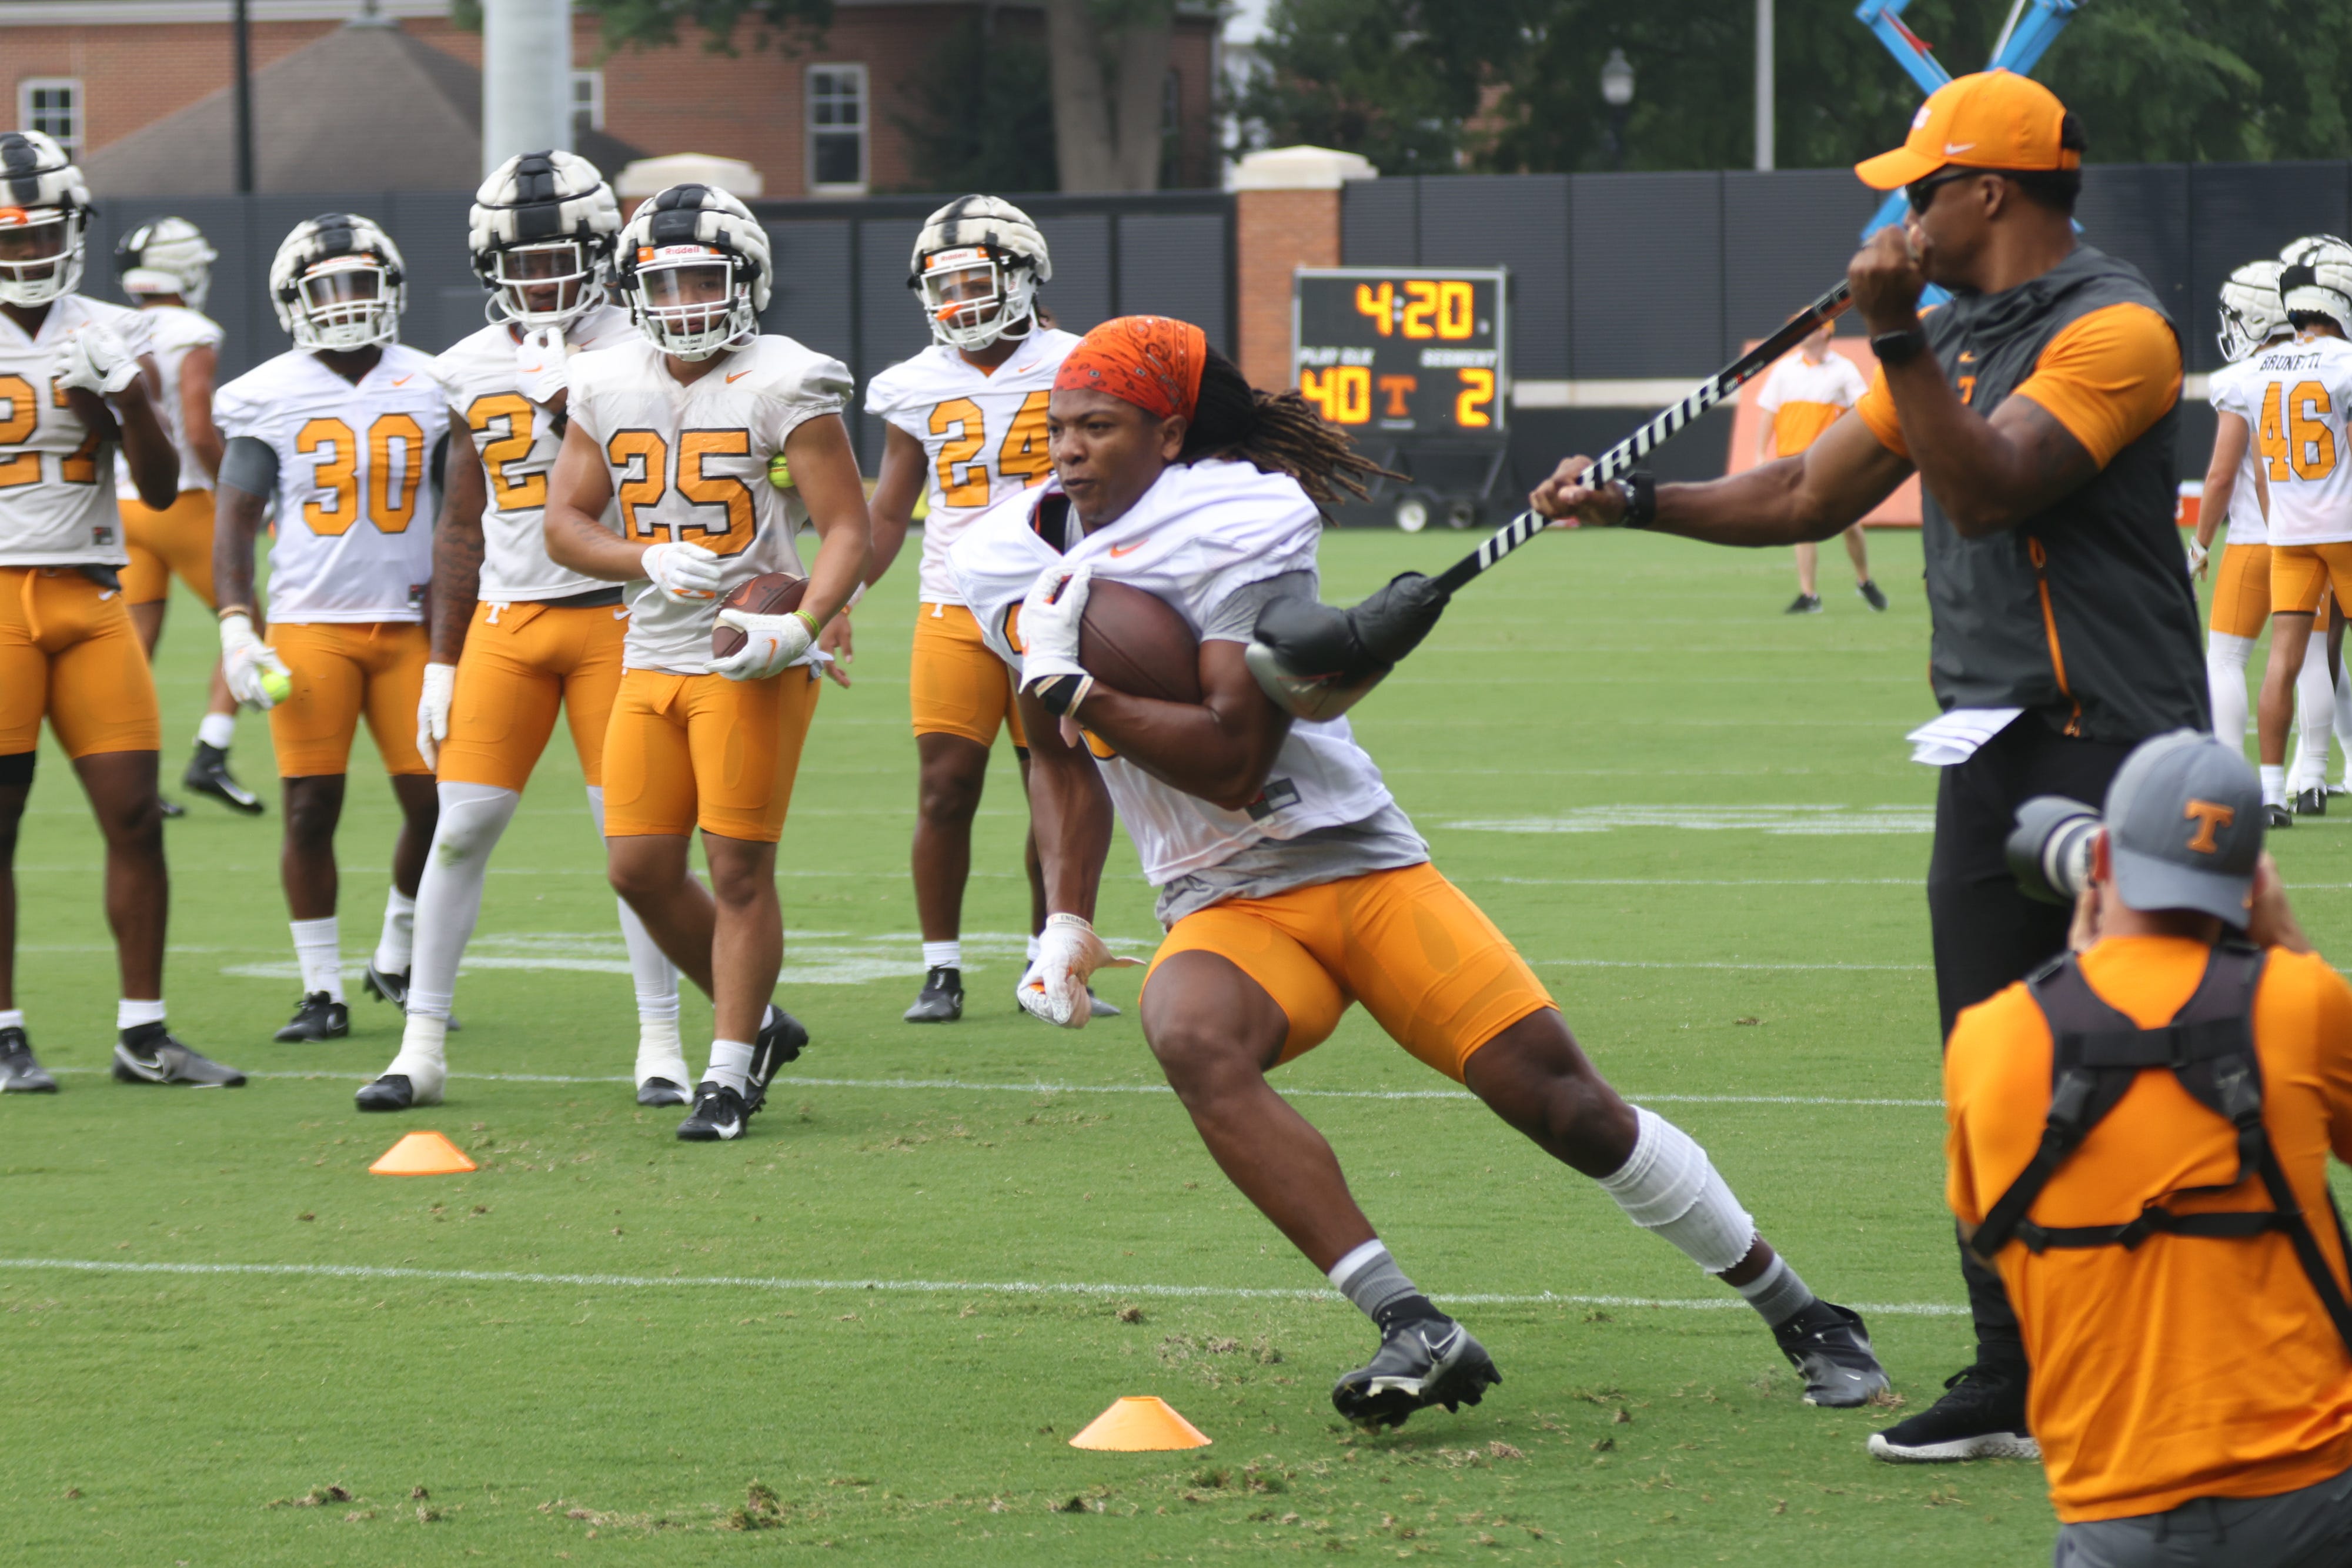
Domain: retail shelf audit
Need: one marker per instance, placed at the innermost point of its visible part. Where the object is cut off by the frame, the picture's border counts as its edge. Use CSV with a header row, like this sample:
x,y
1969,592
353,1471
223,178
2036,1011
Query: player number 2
x,y
510,416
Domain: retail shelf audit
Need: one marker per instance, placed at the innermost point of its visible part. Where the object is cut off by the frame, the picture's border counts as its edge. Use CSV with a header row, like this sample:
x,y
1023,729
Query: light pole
x,y
1617,92
1764,84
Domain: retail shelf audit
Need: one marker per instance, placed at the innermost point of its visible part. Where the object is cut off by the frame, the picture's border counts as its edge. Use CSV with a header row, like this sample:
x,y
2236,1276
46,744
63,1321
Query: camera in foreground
x,y
2050,848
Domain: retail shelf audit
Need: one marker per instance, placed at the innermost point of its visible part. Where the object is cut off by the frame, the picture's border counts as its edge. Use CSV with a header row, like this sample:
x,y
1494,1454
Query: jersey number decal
x,y
643,460
20,415
1024,454
334,475
513,419
2301,439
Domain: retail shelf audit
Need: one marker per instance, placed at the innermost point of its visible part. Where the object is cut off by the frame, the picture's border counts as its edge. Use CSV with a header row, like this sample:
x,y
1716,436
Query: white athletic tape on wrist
x,y
1667,1184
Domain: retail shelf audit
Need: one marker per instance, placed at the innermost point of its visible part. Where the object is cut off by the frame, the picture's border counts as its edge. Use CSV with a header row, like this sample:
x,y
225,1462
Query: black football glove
x,y
1315,660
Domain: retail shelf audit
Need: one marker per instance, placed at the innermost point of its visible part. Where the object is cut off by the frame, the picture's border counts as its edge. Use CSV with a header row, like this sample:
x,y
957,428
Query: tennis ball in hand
x,y
780,473
279,687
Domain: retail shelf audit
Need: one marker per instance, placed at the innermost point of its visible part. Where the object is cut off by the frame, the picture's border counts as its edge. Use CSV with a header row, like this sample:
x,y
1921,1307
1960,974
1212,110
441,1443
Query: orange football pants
x,y
177,541
2302,574
68,650
343,671
521,662
954,684
687,751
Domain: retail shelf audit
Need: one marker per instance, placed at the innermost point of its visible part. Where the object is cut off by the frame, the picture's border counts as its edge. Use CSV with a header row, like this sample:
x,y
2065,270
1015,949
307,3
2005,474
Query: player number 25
x,y
642,458
392,486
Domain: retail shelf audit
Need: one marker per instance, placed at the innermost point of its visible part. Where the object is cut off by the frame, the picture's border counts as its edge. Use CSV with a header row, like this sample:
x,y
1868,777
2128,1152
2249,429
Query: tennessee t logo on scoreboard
x,y
1408,350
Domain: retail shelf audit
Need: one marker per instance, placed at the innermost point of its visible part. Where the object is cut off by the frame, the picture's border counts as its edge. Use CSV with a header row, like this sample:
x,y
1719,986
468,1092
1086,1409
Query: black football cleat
x,y
1421,1361
719,1114
19,1074
401,1091
386,987
316,1017
1871,595
1830,1350
2276,816
1982,1417
170,808
149,1055
941,997
1804,605
208,774
663,1091
781,1039
2312,802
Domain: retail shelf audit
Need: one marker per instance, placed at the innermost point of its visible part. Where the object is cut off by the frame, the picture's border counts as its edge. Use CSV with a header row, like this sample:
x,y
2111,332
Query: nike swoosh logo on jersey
x,y
738,376
405,380
1129,549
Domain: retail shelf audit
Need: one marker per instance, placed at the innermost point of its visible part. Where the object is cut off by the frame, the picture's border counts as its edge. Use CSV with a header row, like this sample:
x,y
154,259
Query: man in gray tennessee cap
x,y
2176,1265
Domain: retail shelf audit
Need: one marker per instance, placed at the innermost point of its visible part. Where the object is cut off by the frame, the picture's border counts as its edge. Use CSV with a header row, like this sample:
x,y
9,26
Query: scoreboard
x,y
1403,351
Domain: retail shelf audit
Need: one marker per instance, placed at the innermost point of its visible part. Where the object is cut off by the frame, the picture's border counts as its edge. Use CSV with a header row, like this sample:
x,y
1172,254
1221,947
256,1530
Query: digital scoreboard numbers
x,y
1402,350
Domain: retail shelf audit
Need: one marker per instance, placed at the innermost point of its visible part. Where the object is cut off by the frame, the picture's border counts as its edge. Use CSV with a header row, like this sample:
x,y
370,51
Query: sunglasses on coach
x,y
1921,192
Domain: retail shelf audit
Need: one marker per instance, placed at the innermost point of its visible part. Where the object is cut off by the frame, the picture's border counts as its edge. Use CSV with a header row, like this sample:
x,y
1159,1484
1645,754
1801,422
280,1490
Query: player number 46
x,y
2296,436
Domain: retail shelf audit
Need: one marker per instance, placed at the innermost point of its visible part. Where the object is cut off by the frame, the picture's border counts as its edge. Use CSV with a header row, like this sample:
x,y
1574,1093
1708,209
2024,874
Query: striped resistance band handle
x,y
1661,427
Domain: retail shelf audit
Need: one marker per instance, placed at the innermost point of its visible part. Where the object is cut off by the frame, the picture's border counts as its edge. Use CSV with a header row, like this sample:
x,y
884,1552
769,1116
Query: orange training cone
x,y
423,1154
1138,1422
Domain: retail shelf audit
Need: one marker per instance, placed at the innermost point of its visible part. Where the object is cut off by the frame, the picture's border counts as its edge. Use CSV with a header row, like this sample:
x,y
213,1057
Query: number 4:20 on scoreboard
x,y
1402,349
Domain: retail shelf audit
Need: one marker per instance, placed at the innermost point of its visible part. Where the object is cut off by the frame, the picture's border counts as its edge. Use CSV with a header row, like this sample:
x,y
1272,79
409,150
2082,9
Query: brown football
x,y
770,593
1135,642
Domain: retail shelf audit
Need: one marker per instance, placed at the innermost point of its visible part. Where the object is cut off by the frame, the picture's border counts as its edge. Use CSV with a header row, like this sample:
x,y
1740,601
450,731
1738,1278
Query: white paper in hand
x,y
1953,738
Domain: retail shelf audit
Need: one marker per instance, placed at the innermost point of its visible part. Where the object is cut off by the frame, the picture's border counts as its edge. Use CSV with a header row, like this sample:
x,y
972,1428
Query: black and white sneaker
x,y
719,1114
170,808
1421,1361
386,987
1871,595
19,1074
1982,1417
393,1091
781,1039
941,997
2312,802
1097,1007
663,1091
317,1016
149,1055
1830,1350
1804,605
2277,816
208,774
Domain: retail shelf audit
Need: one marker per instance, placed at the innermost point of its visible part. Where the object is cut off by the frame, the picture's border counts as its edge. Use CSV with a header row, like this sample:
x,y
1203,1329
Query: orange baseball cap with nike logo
x,y
1992,120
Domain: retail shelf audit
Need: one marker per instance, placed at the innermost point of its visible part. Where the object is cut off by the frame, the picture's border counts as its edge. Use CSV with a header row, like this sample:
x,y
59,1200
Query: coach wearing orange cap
x,y
2038,409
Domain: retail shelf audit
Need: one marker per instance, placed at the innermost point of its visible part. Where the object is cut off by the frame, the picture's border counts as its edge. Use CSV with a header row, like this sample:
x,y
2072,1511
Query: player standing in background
x,y
680,424
1803,395
166,268
346,430
541,636
966,427
2299,393
71,384
1290,884
2252,321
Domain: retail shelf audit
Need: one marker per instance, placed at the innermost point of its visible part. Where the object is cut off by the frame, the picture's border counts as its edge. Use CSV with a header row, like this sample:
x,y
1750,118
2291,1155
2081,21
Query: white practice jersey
x,y
56,499
171,331
689,466
518,441
356,494
1203,532
983,435
2301,395
2235,389
1805,400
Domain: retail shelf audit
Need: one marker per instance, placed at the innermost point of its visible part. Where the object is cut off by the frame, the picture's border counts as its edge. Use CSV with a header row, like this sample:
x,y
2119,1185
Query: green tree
x,y
655,23
985,119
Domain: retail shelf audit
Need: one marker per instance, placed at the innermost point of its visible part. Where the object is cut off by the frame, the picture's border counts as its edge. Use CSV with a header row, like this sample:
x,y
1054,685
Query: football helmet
x,y
169,256
977,265
2252,312
693,267
543,227
2317,281
338,283
44,219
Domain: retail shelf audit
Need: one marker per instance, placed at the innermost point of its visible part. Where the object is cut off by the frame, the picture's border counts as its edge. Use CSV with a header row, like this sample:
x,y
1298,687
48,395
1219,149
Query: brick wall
x,y
1274,232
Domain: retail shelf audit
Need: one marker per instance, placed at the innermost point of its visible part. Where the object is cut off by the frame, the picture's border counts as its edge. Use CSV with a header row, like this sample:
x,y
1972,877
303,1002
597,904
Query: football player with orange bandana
x,y
346,430
72,387
680,427
966,423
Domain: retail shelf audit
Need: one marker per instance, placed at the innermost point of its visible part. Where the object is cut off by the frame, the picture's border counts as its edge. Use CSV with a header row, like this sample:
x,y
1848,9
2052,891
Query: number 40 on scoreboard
x,y
1402,350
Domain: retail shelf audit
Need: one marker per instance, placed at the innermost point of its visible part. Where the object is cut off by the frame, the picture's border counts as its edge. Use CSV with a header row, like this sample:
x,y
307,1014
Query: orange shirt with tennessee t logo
x,y
2106,376
2189,1366
1802,400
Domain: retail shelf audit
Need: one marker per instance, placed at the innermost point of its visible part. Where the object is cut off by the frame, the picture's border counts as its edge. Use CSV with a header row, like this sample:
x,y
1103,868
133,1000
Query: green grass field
x,y
871,1327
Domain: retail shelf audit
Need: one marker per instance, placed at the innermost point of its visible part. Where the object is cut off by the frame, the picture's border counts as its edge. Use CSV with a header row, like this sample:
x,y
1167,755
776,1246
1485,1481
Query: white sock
x,y
2273,784
660,1054
217,730
12,1017
320,951
2344,716
1669,1186
424,1044
655,975
128,1014
1033,949
2225,678
730,1064
943,955
449,895
2314,715
397,944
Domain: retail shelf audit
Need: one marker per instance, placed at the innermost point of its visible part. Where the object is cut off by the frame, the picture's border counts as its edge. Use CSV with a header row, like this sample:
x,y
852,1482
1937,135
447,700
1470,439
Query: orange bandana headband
x,y
1150,361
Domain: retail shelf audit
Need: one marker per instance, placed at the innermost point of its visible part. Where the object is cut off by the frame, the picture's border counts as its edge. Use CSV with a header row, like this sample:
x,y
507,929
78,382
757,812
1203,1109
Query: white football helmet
x,y
976,269
542,225
2317,281
694,269
44,219
338,283
169,256
2252,312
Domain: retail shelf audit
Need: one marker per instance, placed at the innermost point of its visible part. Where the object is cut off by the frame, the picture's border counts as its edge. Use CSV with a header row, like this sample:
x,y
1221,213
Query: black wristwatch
x,y
1895,347
1639,491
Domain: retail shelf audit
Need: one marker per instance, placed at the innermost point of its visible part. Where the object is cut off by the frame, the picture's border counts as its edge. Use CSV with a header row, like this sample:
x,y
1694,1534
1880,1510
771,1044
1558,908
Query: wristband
x,y
1639,490
1899,348
225,611
1061,694
856,594
815,626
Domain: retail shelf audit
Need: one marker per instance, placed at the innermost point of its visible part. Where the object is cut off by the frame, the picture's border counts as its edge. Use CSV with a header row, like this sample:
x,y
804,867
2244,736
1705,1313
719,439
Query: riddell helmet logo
x,y
2209,818
14,217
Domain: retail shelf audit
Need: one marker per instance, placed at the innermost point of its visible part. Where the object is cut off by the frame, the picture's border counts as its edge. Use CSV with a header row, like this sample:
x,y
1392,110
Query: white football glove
x,y
772,644
95,358
682,571
542,369
432,711
248,662
1068,953
1049,638
2197,558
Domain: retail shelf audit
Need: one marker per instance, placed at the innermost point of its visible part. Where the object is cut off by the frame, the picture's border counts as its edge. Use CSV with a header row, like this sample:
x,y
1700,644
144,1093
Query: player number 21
x,y
20,415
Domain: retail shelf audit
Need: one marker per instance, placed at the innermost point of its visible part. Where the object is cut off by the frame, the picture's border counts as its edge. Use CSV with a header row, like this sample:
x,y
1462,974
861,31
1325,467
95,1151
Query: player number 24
x,y
642,458
20,415
963,473
2297,438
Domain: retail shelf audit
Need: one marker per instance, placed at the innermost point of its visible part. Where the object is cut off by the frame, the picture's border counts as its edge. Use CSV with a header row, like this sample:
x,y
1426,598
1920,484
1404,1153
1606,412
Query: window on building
x,y
53,105
587,102
836,129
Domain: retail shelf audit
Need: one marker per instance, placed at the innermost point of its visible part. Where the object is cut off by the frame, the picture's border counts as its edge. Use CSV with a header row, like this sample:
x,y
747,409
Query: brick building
x,y
818,115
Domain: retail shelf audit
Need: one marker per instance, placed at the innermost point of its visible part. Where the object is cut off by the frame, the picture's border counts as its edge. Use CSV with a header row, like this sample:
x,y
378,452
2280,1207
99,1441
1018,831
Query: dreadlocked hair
x,y
1277,432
